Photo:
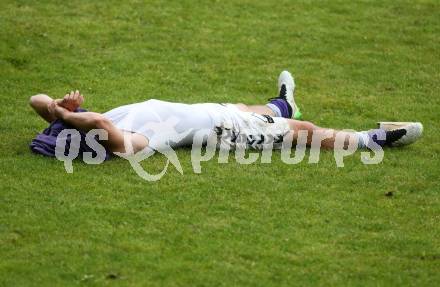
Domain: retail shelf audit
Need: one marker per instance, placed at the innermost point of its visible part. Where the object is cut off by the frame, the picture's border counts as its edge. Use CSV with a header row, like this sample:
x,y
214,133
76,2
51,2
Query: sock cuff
x,y
283,106
274,109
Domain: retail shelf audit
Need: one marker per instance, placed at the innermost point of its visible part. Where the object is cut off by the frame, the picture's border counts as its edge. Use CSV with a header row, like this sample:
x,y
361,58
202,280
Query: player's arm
x,y
87,121
40,103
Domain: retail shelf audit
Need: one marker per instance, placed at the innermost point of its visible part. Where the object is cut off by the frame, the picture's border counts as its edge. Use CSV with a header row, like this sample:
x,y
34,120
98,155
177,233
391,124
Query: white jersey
x,y
175,124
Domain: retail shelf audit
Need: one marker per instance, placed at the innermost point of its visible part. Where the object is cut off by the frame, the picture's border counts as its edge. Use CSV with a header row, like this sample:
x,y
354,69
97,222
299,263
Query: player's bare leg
x,y
404,135
259,109
328,135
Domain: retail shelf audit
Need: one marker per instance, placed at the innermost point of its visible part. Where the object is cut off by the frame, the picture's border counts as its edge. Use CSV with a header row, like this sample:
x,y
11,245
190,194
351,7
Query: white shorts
x,y
175,124
250,130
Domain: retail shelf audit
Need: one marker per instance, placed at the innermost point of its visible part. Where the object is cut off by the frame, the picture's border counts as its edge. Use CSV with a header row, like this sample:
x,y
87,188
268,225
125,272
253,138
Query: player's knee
x,y
301,125
308,126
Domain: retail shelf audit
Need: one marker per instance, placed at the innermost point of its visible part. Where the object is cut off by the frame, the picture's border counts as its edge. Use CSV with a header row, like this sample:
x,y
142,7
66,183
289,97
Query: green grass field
x,y
355,62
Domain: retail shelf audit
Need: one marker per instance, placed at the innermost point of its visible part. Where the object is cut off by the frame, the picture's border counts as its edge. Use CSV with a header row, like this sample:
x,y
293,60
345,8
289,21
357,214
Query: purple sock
x,y
283,106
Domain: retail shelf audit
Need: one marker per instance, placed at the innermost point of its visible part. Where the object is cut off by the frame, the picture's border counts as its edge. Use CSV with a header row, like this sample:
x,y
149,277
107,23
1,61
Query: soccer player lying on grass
x,y
146,124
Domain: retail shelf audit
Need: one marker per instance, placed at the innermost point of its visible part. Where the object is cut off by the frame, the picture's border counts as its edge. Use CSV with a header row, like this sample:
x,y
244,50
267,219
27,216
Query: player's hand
x,y
56,110
72,101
